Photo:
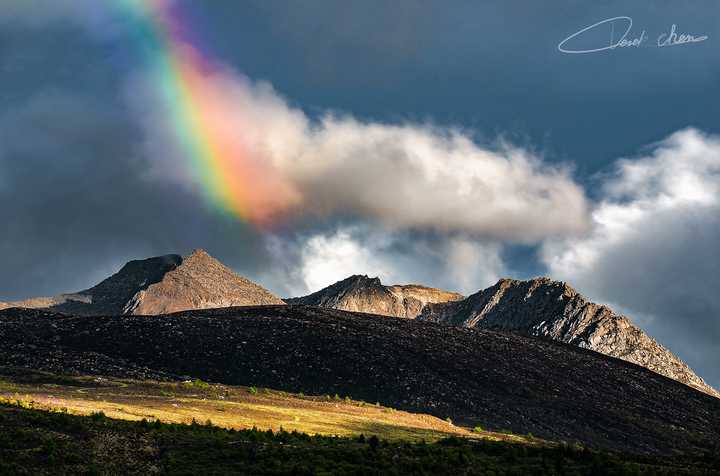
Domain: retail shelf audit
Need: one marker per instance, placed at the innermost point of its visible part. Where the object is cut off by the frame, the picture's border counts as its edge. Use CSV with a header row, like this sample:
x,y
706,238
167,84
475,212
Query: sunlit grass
x,y
231,407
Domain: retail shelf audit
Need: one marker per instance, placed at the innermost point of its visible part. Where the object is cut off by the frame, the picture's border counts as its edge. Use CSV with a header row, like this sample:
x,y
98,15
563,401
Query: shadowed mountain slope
x,y
364,294
552,309
160,285
474,376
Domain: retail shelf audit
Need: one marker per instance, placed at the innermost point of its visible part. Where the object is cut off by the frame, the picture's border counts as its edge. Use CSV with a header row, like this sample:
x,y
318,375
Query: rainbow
x,y
207,126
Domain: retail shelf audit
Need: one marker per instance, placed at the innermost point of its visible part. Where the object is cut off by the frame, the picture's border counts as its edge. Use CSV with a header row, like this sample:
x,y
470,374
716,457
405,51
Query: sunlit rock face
x,y
363,294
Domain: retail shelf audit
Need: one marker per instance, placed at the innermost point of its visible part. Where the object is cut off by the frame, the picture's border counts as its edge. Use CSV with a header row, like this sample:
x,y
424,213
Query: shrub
x,y
197,383
478,429
253,390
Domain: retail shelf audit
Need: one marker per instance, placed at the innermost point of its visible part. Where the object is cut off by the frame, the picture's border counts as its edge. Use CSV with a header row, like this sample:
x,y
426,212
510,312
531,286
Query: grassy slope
x,y
226,406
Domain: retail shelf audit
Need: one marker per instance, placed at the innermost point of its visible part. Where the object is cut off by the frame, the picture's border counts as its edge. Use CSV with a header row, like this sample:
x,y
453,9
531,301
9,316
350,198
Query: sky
x,y
443,143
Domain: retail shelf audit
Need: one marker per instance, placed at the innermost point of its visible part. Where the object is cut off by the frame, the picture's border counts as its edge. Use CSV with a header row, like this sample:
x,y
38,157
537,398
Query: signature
x,y
624,39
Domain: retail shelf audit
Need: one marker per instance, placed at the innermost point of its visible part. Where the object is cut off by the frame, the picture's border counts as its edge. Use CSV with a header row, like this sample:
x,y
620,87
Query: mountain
x,y
364,294
539,307
160,285
495,379
546,308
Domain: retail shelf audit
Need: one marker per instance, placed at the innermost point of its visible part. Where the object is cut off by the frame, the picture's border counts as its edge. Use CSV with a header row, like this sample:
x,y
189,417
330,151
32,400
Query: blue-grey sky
x,y
602,169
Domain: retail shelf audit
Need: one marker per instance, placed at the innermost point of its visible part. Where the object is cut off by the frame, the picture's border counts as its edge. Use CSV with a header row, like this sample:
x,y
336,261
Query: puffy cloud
x,y
327,259
430,178
401,175
312,261
653,246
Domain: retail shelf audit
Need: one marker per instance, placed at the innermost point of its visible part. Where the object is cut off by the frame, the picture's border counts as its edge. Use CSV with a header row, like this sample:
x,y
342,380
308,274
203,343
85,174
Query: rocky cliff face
x,y
363,294
160,285
552,309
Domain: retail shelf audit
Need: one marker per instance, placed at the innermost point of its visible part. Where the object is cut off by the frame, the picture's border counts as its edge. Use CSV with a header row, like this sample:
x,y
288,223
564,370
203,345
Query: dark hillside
x,y
494,379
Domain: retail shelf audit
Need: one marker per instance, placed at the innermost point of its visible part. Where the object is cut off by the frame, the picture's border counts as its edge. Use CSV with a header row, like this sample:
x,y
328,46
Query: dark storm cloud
x,y
76,203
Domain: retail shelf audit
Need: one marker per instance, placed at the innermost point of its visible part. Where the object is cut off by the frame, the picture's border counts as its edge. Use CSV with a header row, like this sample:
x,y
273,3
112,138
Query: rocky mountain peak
x,y
364,294
541,284
161,284
360,280
199,282
553,309
199,254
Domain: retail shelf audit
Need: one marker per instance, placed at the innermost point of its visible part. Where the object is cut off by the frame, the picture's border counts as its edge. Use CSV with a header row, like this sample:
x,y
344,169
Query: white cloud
x,y
472,265
327,259
319,259
431,178
654,244
679,183
404,176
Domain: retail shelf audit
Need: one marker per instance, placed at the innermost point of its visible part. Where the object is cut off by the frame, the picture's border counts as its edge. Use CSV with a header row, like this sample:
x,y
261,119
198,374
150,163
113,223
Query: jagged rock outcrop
x,y
160,285
363,294
552,309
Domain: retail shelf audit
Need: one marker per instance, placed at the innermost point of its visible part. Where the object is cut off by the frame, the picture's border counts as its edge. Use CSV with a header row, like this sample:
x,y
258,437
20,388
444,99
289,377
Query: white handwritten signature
x,y
670,38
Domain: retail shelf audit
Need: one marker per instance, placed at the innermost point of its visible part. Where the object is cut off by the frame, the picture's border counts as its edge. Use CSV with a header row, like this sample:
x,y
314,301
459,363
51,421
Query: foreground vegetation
x,y
38,442
52,424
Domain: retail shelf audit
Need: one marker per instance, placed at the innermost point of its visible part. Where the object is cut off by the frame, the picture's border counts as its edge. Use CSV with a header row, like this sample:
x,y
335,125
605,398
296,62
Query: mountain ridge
x,y
365,294
157,285
539,307
543,307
